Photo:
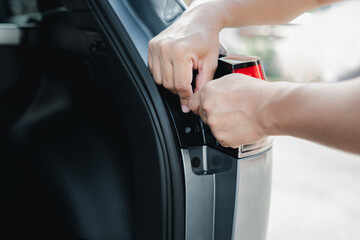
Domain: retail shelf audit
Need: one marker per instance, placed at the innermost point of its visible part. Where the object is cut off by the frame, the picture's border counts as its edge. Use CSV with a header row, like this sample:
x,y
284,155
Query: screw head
x,y
188,130
195,162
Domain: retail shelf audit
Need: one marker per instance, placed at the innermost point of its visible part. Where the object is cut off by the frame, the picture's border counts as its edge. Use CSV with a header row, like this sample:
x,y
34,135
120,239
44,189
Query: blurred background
x,y
321,45
315,189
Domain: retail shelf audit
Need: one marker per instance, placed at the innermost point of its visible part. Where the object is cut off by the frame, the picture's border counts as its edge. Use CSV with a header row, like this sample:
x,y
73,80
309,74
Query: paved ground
x,y
316,192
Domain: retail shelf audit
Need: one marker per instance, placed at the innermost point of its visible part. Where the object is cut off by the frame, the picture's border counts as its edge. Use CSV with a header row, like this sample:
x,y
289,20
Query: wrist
x,y
276,110
214,13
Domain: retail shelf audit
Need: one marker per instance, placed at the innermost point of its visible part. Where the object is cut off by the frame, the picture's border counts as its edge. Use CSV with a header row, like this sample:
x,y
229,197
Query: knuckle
x,y
204,92
157,78
206,89
152,43
207,105
164,49
181,49
211,121
168,84
181,86
157,81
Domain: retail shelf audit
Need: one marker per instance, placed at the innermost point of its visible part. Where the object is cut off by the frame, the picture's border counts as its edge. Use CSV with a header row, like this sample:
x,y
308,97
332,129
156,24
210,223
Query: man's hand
x,y
192,42
232,106
240,109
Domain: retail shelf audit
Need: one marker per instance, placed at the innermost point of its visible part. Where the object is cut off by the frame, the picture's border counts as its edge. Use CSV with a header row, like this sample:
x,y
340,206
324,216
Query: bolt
x,y
187,130
195,162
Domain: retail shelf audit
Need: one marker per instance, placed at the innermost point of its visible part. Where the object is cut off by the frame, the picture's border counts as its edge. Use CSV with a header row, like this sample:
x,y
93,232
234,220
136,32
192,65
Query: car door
x,y
226,191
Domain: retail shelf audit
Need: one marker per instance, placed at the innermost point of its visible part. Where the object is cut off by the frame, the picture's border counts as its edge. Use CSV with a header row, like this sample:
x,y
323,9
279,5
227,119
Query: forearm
x,y
239,13
325,113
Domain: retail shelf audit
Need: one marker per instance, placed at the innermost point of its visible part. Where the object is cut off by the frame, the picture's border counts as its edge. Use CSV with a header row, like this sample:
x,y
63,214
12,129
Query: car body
x,y
93,149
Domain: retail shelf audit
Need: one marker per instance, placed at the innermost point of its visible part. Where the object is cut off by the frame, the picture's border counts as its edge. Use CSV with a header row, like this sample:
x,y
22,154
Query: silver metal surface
x,y
252,197
255,148
200,202
10,34
225,197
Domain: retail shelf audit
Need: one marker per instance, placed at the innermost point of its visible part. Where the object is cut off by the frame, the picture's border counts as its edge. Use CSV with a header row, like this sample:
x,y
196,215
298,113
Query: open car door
x,y
100,152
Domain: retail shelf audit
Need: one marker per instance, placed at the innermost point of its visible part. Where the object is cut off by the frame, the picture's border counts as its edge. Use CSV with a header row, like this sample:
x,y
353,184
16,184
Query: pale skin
x,y
240,109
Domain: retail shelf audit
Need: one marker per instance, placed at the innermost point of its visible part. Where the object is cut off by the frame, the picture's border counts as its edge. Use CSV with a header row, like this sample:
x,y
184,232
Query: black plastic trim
x,y
125,50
